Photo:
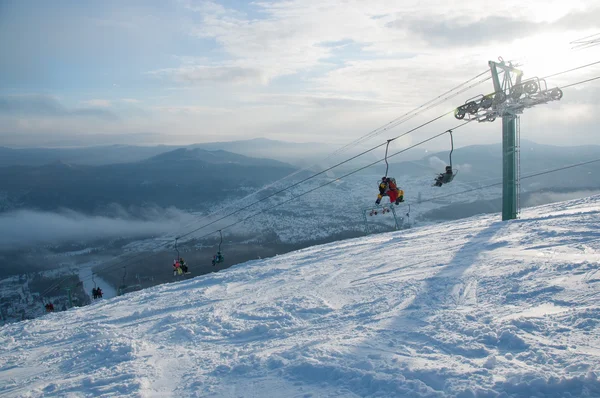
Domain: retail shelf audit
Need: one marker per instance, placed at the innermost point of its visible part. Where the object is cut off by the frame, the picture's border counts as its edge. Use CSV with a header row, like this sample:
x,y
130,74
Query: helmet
x,y
383,178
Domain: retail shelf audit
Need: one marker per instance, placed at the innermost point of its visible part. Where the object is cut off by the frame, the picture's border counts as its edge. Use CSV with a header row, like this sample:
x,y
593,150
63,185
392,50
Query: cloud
x,y
580,19
98,103
67,135
43,105
287,38
541,198
437,163
323,101
191,110
25,228
300,70
441,31
455,32
217,74
464,168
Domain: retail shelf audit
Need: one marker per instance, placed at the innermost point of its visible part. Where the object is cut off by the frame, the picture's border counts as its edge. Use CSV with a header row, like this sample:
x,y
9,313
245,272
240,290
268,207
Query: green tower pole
x,y
509,167
509,150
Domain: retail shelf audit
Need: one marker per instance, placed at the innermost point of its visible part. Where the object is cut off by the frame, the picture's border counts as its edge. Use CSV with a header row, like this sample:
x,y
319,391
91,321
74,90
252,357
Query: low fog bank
x,y
457,211
26,228
542,198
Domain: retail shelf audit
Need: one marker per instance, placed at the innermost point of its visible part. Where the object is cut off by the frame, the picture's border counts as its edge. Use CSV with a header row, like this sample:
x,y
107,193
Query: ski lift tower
x,y
509,99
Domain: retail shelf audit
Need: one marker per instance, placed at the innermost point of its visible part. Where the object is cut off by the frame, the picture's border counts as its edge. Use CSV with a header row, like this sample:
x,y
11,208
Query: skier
x,y
183,265
218,258
99,292
445,177
388,187
177,268
94,293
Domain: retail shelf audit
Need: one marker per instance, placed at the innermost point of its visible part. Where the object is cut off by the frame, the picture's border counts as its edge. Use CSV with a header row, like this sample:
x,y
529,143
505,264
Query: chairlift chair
x,y
385,180
218,258
449,173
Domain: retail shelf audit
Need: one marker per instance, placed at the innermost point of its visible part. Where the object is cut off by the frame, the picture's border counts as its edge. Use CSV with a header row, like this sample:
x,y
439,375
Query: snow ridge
x,y
475,308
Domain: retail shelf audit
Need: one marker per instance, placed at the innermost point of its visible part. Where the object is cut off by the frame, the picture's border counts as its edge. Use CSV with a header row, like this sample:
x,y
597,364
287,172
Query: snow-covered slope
x,y
478,307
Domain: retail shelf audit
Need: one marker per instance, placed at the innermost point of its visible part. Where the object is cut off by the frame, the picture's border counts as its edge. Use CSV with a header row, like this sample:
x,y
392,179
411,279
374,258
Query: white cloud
x,y
98,103
218,74
464,168
24,228
308,70
437,163
191,109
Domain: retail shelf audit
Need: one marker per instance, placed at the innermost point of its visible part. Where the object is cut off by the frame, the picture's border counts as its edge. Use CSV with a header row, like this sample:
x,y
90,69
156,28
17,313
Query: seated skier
x,y
94,293
183,265
388,187
99,292
218,258
383,188
396,194
176,268
445,177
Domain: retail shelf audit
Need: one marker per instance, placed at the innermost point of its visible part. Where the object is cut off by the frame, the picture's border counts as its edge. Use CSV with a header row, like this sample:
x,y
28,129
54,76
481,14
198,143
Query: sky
x,y
178,72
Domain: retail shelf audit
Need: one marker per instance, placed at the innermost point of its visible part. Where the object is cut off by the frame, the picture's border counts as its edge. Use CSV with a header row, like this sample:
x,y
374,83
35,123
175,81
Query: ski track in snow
x,y
473,308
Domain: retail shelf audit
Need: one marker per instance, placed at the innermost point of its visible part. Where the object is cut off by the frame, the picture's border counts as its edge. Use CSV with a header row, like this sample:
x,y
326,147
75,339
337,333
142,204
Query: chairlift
x,y
123,287
387,185
218,258
408,216
96,289
448,175
376,210
180,267
383,210
127,288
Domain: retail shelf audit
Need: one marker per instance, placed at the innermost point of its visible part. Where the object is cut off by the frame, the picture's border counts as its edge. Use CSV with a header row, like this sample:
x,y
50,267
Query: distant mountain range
x,y
195,177
184,178
297,154
212,156
288,152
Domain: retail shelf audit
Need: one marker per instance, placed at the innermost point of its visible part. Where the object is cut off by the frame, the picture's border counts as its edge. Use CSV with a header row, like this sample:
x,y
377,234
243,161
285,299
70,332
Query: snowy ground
x,y
475,308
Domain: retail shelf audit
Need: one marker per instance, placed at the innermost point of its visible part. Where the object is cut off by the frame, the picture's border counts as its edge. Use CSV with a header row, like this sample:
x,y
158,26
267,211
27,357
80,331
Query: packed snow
x,y
474,308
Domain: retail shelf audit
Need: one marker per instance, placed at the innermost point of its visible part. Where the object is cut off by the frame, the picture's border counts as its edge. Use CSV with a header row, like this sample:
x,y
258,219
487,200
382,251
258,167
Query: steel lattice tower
x,y
508,100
